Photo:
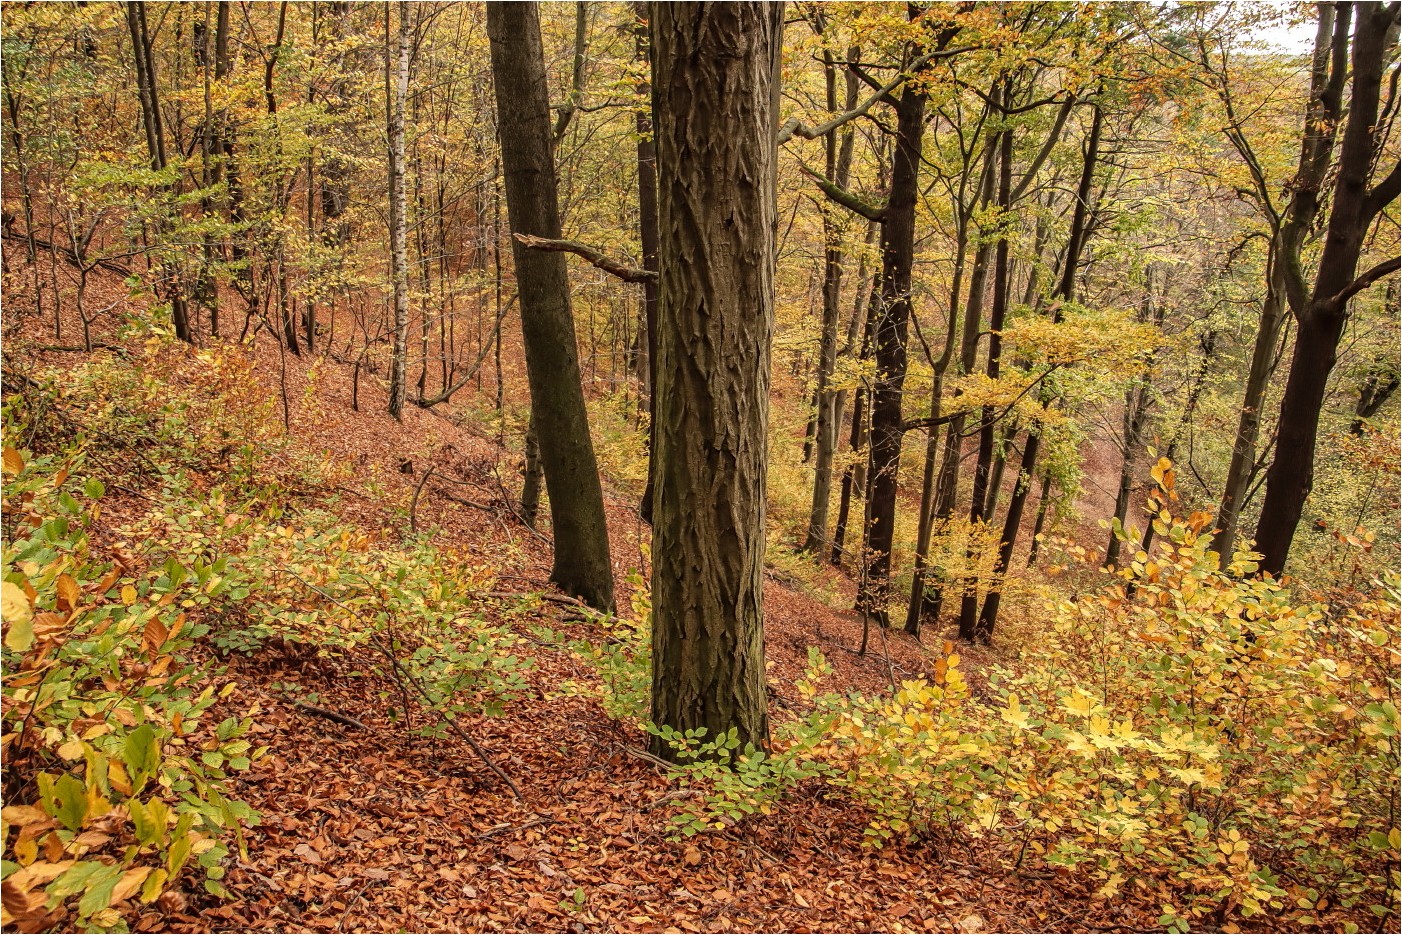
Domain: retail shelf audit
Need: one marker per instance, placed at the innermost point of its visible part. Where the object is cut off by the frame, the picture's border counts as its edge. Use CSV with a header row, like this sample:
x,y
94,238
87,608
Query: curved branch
x,y
595,257
845,198
1335,303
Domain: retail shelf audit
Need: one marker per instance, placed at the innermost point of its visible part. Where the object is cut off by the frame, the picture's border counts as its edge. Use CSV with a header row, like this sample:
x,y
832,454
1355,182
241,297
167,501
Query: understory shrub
x,y
1196,735
116,783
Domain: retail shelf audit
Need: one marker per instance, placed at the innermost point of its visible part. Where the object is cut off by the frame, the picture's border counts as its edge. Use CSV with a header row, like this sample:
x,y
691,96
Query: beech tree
x,y
582,566
715,77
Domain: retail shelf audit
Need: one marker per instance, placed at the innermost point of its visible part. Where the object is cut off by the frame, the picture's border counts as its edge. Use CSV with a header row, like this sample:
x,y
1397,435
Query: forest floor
x,y
365,828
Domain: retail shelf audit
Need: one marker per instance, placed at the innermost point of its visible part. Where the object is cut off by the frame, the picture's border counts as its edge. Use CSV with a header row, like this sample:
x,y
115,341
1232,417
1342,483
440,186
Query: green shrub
x,y
114,780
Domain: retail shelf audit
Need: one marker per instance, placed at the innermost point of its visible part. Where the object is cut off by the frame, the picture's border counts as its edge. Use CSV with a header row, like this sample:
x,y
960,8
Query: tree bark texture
x,y
582,565
714,86
647,237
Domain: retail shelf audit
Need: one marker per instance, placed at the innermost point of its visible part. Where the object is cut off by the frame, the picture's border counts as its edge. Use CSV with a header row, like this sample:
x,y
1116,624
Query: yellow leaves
x,y
1187,775
1014,713
1079,702
1111,886
18,613
1162,473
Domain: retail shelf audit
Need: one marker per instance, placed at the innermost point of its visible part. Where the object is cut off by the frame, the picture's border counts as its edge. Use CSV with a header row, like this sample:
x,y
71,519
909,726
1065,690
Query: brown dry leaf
x,y
307,853
129,883
153,637
67,590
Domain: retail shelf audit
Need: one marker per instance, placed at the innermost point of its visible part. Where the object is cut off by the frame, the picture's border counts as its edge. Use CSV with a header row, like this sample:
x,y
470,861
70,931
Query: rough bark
x,y
581,564
715,81
647,237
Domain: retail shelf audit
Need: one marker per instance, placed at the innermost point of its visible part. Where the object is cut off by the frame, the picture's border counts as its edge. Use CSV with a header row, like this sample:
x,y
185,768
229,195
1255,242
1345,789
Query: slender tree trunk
x,y
1043,504
978,501
149,96
839,159
531,478
715,75
1080,232
582,563
648,237
891,320
396,93
1265,357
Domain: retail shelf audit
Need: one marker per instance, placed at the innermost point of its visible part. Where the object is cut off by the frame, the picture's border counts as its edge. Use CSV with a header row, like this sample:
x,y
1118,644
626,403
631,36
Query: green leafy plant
x,y
116,782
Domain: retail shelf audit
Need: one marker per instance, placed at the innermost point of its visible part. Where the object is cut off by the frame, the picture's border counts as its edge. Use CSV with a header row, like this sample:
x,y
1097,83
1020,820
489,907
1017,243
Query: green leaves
x,y
141,755
99,689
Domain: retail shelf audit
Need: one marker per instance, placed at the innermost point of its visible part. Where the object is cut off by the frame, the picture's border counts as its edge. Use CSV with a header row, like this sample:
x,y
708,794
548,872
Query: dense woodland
x,y
700,467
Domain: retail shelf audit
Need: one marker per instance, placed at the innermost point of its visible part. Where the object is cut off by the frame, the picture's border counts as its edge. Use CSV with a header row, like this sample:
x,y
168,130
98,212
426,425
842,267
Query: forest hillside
x,y
700,467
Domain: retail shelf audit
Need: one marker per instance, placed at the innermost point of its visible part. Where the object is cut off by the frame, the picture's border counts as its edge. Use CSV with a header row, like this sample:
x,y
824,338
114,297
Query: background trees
x,y
932,162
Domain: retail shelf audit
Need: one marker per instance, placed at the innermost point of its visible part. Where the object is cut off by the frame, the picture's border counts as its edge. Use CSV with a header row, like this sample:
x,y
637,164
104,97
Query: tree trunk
x,y
978,501
582,565
149,97
647,236
715,84
839,164
1323,316
1066,289
396,92
891,319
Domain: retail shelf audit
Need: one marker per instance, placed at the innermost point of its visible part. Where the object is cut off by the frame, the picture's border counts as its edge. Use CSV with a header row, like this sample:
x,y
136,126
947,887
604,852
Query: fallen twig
x,y
330,715
498,829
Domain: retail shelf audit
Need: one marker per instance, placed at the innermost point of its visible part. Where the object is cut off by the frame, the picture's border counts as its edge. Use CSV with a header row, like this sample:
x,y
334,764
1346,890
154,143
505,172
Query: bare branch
x,y
1335,303
595,257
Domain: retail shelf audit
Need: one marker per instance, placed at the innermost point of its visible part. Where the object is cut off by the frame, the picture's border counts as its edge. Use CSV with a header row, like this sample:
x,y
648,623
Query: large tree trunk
x,y
1321,119
715,82
1322,318
582,565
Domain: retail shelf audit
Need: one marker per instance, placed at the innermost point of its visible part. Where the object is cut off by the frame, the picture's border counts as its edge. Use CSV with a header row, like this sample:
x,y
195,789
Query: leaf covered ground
x,y
366,827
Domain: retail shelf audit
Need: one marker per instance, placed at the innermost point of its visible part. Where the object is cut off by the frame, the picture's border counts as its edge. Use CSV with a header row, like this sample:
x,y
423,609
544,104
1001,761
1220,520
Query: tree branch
x,y
596,258
845,198
1383,193
471,372
1336,302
